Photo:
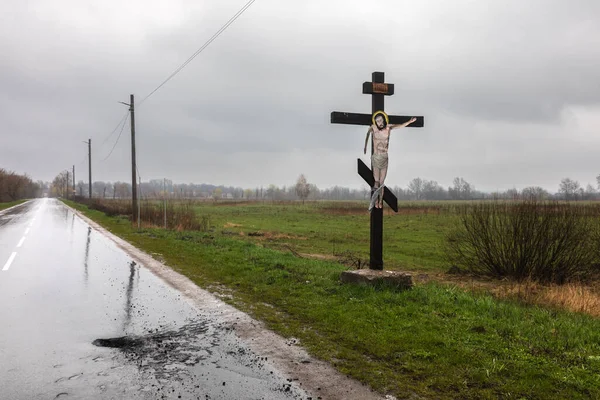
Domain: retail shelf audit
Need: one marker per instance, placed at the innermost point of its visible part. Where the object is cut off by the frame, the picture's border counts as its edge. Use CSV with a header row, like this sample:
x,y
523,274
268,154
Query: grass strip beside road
x,y
435,340
4,206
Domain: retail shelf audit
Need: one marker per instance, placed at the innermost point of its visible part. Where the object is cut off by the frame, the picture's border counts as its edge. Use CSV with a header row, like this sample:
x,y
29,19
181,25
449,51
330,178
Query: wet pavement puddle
x,y
200,357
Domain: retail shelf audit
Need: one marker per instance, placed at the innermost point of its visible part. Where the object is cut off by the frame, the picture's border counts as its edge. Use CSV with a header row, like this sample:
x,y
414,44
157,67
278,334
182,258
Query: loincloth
x,y
379,161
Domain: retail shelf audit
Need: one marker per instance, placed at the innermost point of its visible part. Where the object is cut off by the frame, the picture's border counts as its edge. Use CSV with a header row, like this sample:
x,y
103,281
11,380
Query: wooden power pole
x,y
133,167
90,166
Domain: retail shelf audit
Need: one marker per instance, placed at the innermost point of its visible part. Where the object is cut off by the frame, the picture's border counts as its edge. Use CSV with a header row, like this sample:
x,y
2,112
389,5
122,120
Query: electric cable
x,y
119,137
204,46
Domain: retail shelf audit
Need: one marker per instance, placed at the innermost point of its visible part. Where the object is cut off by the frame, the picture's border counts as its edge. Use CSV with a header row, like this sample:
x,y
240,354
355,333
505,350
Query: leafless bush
x,y
109,207
180,215
545,242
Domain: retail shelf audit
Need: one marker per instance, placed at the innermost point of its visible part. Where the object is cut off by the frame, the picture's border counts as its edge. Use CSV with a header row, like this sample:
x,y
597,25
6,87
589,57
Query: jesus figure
x,y
379,159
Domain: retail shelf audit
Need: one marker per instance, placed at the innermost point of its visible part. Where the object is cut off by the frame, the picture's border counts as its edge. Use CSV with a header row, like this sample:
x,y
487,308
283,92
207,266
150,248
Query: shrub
x,y
545,242
180,215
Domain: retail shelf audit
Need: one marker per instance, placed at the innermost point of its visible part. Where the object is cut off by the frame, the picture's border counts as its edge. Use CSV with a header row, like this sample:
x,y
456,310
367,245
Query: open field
x,y
411,238
281,263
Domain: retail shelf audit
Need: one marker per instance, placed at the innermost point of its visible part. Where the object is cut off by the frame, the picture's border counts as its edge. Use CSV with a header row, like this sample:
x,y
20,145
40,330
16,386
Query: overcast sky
x,y
510,89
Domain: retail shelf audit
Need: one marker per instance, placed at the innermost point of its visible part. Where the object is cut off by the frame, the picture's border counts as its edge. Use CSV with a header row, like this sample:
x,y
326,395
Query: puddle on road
x,y
201,357
118,343
168,353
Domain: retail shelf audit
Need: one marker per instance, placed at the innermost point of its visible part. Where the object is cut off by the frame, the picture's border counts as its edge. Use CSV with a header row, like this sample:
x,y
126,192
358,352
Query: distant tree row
x,y
16,187
417,189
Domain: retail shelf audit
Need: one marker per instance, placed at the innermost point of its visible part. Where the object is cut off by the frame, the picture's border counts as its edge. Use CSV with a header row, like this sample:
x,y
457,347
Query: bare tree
x,y
569,188
98,187
461,189
59,185
433,191
415,187
302,188
122,190
590,192
534,193
80,186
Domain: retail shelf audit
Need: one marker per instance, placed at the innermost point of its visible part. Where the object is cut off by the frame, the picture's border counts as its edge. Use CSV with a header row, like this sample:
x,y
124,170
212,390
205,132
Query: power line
x,y
82,161
204,46
116,127
119,137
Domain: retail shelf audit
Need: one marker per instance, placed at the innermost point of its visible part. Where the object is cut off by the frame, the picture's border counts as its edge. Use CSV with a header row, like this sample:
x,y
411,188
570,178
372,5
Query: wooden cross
x,y
377,89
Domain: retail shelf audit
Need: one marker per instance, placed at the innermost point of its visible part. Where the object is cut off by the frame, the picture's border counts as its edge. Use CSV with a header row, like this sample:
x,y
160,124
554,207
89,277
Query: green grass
x,y
435,340
411,239
4,206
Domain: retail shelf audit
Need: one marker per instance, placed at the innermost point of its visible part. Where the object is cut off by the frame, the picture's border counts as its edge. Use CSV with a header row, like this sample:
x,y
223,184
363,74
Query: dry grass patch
x,y
575,297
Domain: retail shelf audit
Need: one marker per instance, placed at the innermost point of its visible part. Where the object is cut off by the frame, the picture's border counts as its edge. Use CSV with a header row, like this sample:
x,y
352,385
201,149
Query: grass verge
x,y
4,206
438,341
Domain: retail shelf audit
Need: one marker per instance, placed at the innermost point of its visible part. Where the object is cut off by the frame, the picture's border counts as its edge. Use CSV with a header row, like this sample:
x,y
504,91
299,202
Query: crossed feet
x,y
379,202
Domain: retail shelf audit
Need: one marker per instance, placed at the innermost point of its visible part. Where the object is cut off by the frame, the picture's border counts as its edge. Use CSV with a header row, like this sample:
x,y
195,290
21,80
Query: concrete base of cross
x,y
372,277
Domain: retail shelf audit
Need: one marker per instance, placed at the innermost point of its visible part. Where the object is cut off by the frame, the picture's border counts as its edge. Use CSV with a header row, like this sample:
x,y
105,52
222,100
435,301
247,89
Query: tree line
x,y
417,189
14,186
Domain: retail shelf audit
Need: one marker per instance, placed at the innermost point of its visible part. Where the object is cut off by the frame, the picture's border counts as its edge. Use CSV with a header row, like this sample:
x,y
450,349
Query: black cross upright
x,y
377,89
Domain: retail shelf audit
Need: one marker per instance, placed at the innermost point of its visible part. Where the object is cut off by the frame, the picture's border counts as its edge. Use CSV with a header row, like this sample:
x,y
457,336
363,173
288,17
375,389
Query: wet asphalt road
x,y
80,320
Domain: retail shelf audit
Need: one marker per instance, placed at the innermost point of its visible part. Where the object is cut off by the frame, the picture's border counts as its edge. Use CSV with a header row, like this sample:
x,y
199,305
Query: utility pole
x,y
90,166
134,201
133,167
139,220
74,179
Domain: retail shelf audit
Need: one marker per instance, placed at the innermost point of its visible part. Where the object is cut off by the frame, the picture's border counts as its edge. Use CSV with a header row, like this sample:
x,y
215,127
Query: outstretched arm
x,y
410,121
367,138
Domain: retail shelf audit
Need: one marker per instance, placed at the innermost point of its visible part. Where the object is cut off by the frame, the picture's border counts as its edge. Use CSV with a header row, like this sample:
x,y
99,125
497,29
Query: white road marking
x,y
10,260
21,242
27,231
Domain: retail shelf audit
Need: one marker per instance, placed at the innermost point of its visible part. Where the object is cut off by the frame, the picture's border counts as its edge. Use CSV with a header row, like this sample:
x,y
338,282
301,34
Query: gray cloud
x,y
509,89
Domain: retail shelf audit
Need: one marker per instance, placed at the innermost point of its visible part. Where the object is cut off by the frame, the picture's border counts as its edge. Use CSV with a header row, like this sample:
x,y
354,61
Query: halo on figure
x,y
383,114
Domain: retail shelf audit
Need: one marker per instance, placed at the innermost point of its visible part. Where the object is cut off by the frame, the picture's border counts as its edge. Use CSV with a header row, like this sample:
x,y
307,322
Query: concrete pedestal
x,y
373,277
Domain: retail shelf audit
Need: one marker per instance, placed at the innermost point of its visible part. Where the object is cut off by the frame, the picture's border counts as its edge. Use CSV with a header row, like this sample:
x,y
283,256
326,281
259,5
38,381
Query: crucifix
x,y
377,89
